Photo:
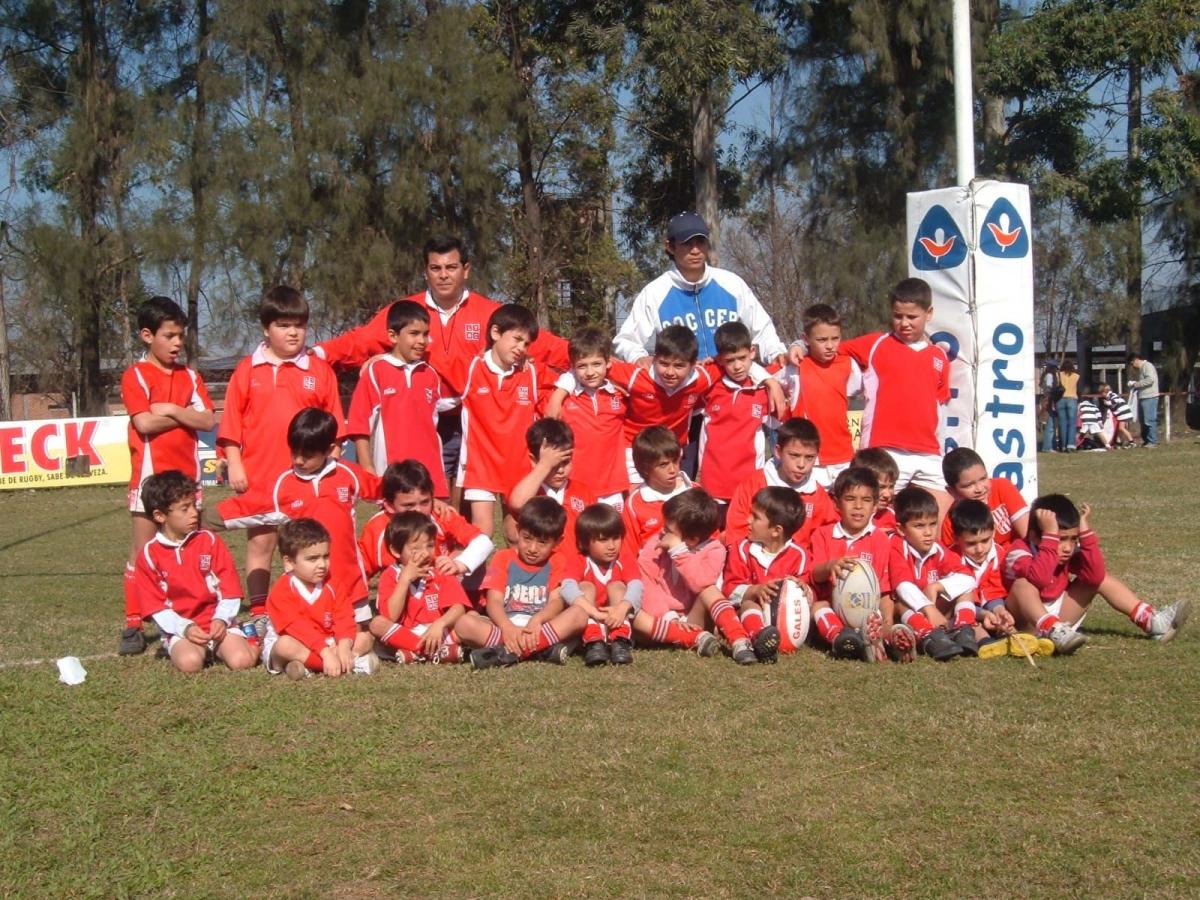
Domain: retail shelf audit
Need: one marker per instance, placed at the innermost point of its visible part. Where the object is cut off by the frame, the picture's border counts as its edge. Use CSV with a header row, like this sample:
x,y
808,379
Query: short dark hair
x,y
855,476
298,534
730,337
162,491
544,518
820,314
912,503
653,444
879,461
800,430
282,302
405,476
958,461
967,516
597,521
783,508
403,313
589,341
311,431
554,432
1059,504
676,342
694,512
404,526
154,312
445,243
512,317
1133,357
912,290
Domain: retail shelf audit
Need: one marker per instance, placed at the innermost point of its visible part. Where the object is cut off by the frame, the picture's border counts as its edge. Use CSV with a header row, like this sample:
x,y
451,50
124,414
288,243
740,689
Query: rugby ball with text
x,y
792,617
856,594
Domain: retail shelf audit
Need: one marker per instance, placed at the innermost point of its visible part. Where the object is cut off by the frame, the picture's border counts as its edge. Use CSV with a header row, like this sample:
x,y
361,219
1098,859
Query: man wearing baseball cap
x,y
695,294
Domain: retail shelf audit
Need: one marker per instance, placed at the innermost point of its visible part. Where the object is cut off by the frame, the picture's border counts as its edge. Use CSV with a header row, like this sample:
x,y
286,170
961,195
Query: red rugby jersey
x,y
870,545
905,386
732,442
752,564
818,508
145,383
643,511
1007,506
597,419
885,520
574,497
651,404
623,569
428,598
190,578
989,584
913,572
453,533
316,616
821,393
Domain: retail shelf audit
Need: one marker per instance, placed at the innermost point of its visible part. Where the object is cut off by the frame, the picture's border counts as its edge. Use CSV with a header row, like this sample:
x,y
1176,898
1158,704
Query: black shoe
x,y
766,645
596,653
133,642
557,653
938,645
621,652
161,652
848,644
492,657
965,638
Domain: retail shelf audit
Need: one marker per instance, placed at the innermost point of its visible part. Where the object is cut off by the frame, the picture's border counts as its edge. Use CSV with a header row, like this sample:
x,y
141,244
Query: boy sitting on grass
x,y
185,580
612,571
967,479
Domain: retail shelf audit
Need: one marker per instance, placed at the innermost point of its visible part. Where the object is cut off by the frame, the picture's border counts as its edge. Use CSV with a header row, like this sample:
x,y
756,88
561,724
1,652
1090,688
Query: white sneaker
x,y
1166,622
1066,639
707,644
367,664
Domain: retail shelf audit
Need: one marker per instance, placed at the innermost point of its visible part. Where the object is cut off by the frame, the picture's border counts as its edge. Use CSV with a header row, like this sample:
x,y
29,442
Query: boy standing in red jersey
x,y
393,413
967,478
167,404
797,445
311,628
656,456
820,387
185,580
267,389
551,447
503,393
906,380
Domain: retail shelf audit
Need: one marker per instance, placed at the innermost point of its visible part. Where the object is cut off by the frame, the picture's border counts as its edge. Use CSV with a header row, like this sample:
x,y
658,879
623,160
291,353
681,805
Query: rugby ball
x,y
792,616
856,594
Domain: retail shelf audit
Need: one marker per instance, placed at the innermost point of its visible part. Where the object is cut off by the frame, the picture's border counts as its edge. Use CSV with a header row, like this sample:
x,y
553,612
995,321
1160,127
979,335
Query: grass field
x,y
677,776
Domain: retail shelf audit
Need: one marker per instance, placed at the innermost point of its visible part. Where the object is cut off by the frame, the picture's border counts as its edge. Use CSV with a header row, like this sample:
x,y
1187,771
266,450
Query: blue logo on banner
x,y
939,243
1003,234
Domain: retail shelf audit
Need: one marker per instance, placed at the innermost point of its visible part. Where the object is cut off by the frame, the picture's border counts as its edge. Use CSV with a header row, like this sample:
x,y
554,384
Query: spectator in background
x,y
1145,379
1091,425
1068,405
1051,390
1121,413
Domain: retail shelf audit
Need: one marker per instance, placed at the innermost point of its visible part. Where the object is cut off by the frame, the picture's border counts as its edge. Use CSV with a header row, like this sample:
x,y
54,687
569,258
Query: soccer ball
x,y
856,594
792,616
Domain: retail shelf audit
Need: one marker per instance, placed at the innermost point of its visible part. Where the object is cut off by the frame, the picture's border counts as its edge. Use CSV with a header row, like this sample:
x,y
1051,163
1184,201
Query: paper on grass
x,y
71,671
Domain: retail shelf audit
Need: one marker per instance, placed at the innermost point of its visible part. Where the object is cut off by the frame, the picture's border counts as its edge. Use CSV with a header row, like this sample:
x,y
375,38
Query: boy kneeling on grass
x,y
185,579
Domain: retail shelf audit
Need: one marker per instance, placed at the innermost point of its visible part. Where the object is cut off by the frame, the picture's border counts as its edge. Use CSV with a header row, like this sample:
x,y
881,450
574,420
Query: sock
x,y
1046,622
964,614
920,625
675,631
494,638
1142,614
829,624
258,605
133,614
622,632
313,663
593,632
547,637
752,621
726,618
399,638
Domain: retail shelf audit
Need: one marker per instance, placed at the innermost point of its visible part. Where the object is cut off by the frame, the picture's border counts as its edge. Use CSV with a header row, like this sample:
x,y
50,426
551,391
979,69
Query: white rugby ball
x,y
792,617
856,594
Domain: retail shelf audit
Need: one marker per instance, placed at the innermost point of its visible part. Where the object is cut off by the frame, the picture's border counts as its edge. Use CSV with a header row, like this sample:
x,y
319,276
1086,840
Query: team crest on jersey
x,y
715,408
296,504
205,562
310,382
343,494
938,364
614,402
388,391
431,602
576,504
866,557
522,393
933,574
328,620
471,331
756,410
428,395
482,389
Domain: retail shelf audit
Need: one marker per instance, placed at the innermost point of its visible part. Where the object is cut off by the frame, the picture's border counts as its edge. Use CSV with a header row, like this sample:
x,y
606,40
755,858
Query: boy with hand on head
x,y
1055,572
681,572
524,585
185,580
612,571
418,606
265,392
595,411
394,410
820,387
656,454
759,564
797,445
551,450
501,398
886,472
311,628
459,547
167,404
967,478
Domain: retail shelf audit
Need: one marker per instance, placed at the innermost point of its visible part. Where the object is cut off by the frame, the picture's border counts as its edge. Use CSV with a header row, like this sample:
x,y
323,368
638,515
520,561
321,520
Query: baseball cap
x,y
686,226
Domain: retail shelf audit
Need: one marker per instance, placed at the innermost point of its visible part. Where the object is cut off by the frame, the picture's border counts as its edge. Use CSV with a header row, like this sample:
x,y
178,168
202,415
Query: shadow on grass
x,y
49,531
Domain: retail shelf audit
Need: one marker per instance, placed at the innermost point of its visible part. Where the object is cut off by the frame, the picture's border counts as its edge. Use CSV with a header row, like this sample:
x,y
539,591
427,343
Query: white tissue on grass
x,y
71,671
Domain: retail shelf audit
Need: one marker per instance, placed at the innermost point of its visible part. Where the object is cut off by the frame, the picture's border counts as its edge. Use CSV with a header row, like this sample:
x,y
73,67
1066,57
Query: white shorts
x,y
827,475
134,499
631,471
1090,428
923,470
616,501
362,611
519,619
478,494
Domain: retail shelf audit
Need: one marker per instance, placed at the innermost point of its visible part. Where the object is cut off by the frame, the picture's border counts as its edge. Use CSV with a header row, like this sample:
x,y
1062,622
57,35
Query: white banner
x,y
983,316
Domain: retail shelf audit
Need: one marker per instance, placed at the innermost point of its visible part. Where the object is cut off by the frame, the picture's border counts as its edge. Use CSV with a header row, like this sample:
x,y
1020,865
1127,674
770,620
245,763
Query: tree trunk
x,y
704,166
198,178
6,412
90,175
291,57
1133,283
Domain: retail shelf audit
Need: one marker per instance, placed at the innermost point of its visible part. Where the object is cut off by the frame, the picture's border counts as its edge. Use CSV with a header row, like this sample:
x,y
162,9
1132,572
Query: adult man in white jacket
x,y
695,294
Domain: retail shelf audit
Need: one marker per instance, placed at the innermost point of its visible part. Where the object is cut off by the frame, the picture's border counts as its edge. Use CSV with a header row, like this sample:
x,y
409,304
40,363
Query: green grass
x,y
677,776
